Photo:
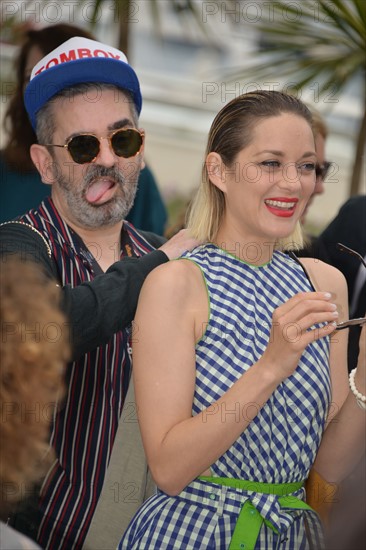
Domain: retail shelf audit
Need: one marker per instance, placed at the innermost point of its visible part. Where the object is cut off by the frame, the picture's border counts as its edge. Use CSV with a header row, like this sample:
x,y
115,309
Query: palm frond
x,y
320,43
361,10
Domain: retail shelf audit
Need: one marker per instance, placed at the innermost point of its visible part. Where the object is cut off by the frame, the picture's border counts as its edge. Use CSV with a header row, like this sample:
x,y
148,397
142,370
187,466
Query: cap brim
x,y
55,79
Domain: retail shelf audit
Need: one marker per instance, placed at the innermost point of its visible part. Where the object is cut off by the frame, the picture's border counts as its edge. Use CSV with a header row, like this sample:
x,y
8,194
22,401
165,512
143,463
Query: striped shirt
x,y
86,422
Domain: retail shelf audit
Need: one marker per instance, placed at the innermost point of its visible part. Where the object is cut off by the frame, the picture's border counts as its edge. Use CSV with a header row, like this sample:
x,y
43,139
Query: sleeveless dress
x,y
280,443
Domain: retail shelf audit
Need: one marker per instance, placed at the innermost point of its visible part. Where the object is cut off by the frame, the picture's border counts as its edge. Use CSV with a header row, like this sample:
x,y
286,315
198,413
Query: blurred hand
x,y
360,378
178,244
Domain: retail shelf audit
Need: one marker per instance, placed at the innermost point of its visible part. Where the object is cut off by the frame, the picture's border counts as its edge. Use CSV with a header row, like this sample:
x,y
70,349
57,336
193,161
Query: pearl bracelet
x,y
360,398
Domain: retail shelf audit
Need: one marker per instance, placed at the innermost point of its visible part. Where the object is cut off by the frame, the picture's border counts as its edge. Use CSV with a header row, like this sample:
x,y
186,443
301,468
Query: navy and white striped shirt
x,y
86,422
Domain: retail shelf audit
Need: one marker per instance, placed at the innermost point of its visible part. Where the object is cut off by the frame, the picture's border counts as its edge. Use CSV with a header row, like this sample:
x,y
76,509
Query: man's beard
x,y
107,214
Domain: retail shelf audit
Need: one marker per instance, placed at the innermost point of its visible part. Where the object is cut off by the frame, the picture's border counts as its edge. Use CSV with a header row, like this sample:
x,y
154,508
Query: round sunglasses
x,y
84,148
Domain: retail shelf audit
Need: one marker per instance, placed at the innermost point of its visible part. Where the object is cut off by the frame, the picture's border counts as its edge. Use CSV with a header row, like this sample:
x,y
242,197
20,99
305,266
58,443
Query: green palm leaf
x,y
314,42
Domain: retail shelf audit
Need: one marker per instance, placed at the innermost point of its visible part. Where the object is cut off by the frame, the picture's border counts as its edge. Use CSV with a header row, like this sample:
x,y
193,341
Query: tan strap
x,y
49,251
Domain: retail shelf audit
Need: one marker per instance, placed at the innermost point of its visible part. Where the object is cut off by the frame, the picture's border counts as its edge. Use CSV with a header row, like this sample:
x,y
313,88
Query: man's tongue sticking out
x,y
99,190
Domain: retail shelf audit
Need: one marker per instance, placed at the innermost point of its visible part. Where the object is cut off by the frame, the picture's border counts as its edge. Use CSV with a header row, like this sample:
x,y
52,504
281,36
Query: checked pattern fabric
x,y
281,442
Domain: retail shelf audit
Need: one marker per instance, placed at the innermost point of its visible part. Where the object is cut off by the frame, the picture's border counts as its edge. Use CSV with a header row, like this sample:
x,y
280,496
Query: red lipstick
x,y
283,207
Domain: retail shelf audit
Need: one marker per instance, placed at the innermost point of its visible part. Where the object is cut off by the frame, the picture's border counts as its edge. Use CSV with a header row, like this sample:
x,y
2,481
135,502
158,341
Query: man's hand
x,y
178,244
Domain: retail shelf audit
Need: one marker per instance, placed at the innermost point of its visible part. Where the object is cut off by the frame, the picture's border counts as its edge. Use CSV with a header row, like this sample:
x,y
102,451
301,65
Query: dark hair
x,y
16,121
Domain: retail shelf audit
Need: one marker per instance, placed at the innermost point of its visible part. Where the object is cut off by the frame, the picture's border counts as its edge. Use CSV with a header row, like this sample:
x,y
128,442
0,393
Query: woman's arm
x,y
343,442
171,316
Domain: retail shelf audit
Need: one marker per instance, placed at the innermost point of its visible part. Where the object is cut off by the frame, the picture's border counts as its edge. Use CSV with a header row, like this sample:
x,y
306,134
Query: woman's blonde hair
x,y
33,355
230,132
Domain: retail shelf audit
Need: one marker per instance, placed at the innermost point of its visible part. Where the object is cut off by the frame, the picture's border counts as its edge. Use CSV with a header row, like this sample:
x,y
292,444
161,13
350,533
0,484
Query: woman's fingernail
x,y
327,295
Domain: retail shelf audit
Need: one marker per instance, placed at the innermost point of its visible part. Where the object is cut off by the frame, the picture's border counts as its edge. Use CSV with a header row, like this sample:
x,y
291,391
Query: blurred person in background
x,y
21,187
349,228
347,526
320,130
312,248
345,511
33,355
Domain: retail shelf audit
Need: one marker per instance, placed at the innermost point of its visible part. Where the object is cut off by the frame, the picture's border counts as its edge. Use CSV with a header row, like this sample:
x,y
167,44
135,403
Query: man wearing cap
x,y
83,101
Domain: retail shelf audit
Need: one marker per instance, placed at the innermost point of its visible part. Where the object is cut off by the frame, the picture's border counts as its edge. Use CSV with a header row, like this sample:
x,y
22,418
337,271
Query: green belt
x,y
250,521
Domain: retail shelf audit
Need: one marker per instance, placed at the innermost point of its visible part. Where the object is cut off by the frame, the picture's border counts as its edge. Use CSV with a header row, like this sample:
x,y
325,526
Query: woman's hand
x,y
291,329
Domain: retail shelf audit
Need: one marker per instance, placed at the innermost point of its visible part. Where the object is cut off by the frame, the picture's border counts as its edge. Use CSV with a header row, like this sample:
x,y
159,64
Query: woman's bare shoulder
x,y
180,271
178,279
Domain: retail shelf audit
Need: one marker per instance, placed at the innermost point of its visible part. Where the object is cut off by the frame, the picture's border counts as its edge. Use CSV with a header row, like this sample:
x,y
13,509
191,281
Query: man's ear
x,y
142,155
216,171
44,163
142,150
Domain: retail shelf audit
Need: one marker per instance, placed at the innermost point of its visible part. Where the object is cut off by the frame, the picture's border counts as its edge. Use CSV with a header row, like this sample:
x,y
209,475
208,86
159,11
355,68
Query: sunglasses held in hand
x,y
360,320
84,148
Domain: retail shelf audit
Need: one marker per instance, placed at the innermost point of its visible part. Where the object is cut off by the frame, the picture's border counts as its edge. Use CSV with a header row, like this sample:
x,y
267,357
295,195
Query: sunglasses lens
x,y
83,148
126,143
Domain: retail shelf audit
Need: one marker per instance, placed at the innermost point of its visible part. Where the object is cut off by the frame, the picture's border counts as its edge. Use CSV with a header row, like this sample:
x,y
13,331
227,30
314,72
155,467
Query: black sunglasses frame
x,y
321,170
109,138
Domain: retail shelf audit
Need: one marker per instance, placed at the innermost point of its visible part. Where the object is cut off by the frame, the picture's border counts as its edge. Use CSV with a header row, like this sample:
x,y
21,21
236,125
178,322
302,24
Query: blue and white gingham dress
x,y
279,445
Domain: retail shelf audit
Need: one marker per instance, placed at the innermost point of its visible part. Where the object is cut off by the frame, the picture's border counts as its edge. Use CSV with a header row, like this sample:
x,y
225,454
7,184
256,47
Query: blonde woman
x,y
237,376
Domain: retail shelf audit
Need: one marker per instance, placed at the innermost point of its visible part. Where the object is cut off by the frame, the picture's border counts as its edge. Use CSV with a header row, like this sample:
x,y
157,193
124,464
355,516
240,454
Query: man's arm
x,y
95,309
99,308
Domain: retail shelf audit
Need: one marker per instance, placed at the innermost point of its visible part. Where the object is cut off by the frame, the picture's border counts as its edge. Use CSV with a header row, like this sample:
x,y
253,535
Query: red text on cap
x,y
72,55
